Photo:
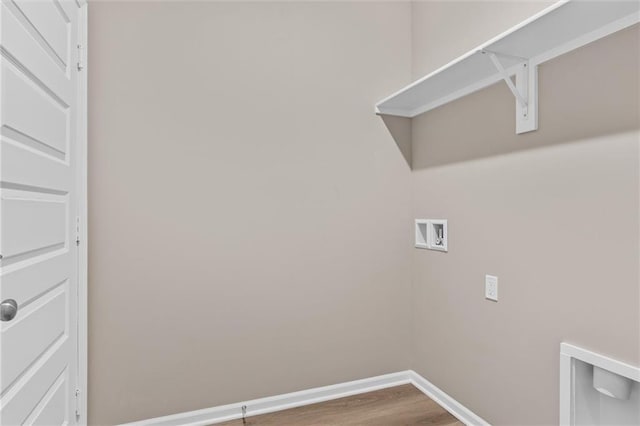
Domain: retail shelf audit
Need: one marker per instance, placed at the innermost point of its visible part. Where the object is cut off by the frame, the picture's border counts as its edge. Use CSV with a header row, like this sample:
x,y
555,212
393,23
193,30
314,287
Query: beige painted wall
x,y
249,214
250,218
554,214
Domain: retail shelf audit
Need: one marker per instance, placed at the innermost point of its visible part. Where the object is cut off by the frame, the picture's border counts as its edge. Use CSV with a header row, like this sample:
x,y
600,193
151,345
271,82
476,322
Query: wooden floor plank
x,y
400,405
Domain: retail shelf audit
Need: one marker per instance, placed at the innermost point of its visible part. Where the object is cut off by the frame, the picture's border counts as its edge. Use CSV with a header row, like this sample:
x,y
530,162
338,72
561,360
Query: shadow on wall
x,y
400,130
589,92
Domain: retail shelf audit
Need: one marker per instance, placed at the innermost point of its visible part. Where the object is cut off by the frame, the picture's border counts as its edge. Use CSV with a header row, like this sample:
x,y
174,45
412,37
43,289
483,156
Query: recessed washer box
x,y
431,234
437,237
422,226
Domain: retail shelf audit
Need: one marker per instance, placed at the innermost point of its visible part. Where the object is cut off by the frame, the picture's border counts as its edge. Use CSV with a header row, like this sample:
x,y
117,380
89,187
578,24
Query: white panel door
x,y
41,101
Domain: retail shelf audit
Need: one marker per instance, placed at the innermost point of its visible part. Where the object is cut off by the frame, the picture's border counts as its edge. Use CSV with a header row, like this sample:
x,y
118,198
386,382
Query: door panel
x,y
28,337
23,50
31,226
51,409
31,388
51,25
39,120
32,169
39,174
28,284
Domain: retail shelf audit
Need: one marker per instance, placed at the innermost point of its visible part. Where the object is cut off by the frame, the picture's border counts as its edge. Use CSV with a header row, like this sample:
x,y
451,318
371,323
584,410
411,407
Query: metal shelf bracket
x,y
525,89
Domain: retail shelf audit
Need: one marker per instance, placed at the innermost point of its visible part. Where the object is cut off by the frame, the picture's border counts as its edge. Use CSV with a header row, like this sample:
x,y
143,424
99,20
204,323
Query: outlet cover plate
x,y
491,287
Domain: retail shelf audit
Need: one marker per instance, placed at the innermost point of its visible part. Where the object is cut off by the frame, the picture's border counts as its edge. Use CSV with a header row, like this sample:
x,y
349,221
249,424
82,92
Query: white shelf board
x,y
562,27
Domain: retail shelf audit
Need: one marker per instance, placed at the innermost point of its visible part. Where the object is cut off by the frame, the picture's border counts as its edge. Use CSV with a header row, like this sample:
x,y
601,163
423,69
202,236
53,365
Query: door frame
x,y
82,214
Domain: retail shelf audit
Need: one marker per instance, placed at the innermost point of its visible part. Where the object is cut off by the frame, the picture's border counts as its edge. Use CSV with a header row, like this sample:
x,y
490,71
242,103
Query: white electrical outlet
x,y
491,287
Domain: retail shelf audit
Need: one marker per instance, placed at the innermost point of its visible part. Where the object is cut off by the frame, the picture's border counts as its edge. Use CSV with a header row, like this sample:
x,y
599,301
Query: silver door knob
x,y
8,310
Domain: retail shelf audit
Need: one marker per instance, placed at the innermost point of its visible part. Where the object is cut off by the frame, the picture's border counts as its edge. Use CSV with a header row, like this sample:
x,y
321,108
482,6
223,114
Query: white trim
x,y
602,361
83,314
286,401
461,412
569,353
566,389
277,403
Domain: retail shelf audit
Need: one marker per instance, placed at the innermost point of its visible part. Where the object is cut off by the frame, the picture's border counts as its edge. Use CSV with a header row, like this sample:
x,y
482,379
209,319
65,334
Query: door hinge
x,y
77,396
77,230
80,57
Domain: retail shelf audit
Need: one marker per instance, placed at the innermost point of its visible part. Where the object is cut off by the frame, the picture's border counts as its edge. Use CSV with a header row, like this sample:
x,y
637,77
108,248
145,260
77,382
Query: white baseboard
x,y
271,404
463,414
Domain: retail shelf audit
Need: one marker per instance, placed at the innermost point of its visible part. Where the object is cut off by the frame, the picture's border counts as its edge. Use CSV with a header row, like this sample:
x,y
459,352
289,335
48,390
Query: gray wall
x,y
249,214
554,214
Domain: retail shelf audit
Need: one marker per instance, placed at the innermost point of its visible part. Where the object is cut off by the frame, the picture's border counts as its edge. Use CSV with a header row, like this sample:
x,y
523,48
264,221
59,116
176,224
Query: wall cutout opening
x,y
438,239
422,227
